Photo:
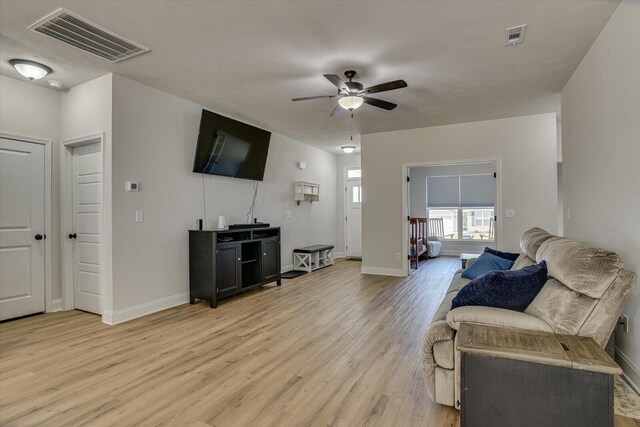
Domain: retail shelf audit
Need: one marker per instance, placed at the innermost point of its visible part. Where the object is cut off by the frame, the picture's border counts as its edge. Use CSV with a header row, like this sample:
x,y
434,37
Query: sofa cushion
x,y
531,241
582,267
522,261
561,307
485,263
513,289
458,282
505,255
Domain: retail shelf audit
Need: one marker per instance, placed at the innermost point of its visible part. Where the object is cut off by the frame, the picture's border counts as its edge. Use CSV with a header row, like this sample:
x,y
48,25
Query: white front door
x,y
22,234
88,265
354,219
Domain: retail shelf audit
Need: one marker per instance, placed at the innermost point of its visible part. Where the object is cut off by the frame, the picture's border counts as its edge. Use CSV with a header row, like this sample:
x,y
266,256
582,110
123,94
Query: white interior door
x,y
354,219
87,233
22,249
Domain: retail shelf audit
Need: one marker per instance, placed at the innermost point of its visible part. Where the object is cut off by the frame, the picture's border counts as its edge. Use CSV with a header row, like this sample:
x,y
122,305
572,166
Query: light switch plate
x,y
139,216
510,213
287,214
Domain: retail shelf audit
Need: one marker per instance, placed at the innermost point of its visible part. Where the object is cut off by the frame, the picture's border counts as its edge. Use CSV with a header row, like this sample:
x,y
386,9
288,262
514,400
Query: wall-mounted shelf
x,y
306,192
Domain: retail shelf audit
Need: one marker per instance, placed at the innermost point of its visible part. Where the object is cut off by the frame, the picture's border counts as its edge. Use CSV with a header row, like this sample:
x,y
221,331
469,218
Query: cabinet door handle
x,y
264,254
39,237
238,259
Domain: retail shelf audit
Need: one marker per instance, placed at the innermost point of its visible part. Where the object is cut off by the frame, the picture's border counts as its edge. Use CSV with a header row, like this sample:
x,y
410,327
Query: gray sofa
x,y
584,295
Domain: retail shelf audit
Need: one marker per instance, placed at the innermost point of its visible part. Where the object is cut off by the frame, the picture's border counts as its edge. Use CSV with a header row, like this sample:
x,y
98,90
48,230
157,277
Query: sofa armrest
x,y
496,317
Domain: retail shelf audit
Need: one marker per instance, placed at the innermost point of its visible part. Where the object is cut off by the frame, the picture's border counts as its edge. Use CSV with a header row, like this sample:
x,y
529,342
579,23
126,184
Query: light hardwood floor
x,y
329,348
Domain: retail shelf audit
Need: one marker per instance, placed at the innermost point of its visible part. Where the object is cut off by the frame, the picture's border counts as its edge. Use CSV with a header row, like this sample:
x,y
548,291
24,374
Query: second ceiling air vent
x,y
70,28
515,35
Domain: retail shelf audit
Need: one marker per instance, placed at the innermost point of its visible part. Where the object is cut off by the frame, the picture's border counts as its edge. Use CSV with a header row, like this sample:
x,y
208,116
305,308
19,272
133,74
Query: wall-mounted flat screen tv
x,y
230,148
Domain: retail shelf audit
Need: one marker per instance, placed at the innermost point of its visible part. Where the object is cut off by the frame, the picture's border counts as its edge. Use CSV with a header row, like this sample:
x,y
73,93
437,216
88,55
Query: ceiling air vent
x,y
83,34
515,35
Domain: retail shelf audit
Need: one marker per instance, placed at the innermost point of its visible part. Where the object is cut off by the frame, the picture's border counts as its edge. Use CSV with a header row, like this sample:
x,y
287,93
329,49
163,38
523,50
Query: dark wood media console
x,y
224,263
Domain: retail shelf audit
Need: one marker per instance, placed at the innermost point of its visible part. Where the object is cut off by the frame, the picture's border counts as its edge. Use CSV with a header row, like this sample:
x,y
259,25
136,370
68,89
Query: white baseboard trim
x,y
339,255
631,373
380,271
56,305
286,268
130,313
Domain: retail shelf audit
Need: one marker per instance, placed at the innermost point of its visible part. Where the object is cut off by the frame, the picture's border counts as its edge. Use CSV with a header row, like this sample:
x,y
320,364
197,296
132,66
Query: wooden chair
x,y
417,240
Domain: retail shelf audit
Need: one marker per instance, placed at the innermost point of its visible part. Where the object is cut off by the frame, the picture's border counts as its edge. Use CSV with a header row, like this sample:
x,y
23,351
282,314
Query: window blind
x,y
443,191
475,191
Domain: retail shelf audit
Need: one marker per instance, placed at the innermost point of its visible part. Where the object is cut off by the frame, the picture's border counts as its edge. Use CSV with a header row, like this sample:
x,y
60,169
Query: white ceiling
x,y
247,59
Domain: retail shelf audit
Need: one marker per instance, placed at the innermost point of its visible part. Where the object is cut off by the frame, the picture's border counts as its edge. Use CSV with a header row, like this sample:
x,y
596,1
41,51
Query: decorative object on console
x,y
306,192
222,222
511,289
485,263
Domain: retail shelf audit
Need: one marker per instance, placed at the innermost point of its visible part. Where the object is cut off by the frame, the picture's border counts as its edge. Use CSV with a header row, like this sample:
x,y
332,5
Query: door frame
x,y
345,203
49,304
66,197
406,267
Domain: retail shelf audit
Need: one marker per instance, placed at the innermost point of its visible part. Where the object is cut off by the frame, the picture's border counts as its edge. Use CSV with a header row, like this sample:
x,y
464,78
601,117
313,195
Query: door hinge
x,y
408,179
408,218
495,218
346,218
495,175
408,256
345,189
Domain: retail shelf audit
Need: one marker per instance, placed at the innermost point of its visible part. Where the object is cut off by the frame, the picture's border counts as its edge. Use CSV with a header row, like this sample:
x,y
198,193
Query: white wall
x,y
601,156
85,110
30,110
526,147
154,143
418,199
344,162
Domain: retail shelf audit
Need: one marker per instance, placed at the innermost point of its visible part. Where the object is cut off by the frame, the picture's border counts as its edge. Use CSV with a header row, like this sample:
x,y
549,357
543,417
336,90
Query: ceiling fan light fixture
x,y
350,102
348,149
30,69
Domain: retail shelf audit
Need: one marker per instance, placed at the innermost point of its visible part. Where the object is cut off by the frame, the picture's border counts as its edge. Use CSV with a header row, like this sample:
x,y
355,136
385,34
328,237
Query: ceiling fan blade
x,y
306,98
383,87
337,81
379,103
336,111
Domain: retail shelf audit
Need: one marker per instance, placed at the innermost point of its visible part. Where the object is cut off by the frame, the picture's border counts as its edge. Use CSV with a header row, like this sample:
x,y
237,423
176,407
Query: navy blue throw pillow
x,y
506,255
512,289
484,264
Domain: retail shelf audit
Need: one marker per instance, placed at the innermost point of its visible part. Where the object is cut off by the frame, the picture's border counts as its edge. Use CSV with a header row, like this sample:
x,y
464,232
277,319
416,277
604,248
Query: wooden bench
x,y
311,258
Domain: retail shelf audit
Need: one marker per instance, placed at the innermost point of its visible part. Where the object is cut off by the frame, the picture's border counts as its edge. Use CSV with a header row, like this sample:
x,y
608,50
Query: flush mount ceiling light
x,y
348,149
30,69
350,102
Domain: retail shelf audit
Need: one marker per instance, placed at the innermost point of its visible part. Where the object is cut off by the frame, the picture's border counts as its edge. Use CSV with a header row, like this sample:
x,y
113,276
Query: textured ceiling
x,y
247,59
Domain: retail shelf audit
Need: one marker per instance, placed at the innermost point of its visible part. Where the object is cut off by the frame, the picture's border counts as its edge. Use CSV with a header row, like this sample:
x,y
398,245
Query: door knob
x,y
73,235
39,236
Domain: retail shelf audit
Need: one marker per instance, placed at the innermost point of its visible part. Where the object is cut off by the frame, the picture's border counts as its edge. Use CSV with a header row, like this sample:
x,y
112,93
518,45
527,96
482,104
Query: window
x,y
354,173
462,205
356,194
477,224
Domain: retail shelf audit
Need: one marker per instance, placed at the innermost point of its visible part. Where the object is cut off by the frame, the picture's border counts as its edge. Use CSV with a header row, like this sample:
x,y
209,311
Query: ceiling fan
x,y
352,95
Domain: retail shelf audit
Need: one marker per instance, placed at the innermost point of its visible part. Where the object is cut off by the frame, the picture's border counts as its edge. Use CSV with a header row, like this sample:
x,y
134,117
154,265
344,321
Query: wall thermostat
x,y
132,186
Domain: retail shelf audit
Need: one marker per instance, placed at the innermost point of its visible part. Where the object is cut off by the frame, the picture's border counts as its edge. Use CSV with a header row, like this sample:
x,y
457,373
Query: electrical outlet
x,y
398,255
287,214
568,214
510,213
139,216
624,322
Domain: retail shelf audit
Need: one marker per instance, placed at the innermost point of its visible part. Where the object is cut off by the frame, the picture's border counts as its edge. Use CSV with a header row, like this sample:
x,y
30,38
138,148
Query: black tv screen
x,y
230,148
